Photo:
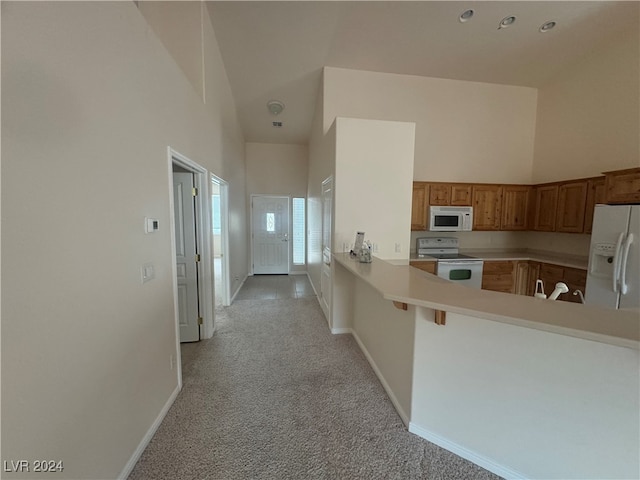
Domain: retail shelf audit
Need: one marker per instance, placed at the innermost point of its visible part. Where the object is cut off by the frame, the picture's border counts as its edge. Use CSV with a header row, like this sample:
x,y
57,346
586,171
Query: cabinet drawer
x,y
497,280
498,266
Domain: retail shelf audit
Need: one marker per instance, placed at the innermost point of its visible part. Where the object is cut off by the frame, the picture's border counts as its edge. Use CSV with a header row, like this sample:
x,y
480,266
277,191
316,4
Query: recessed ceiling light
x,y
466,16
545,27
507,22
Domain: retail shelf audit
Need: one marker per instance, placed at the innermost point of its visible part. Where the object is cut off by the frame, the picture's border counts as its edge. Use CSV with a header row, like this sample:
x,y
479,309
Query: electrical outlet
x,y
398,248
172,363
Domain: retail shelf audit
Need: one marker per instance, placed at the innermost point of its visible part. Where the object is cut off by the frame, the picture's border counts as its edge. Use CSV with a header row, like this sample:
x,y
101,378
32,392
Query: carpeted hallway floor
x,y
274,395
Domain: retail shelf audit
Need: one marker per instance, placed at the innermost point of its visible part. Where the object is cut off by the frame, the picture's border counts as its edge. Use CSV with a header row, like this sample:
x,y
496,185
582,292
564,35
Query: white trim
x,y
224,236
340,331
128,468
385,385
465,453
235,294
203,214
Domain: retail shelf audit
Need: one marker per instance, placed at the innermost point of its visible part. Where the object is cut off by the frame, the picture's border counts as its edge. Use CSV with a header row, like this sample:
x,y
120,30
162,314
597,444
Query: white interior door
x,y
325,271
270,234
186,265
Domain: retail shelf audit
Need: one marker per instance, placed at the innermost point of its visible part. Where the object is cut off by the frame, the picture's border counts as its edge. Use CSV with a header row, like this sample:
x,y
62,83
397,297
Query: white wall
x,y
465,131
91,100
588,119
373,185
277,169
526,403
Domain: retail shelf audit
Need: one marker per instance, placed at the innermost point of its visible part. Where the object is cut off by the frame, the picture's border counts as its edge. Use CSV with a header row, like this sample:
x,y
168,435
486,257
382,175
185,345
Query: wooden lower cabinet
x,y
520,276
550,274
499,276
427,266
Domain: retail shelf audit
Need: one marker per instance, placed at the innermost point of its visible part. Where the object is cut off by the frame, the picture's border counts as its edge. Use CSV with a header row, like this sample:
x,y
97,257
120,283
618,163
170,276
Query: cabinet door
x,y
419,206
623,186
550,275
572,198
461,195
440,194
499,276
515,207
546,203
534,275
596,193
521,276
487,207
576,279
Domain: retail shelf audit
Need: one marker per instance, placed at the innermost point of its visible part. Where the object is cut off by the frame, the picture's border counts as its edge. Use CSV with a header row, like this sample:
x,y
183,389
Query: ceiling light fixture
x,y
546,26
275,107
507,22
466,16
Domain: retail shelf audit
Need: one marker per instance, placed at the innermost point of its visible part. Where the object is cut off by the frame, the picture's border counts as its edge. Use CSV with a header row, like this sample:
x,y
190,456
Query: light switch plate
x,y
148,272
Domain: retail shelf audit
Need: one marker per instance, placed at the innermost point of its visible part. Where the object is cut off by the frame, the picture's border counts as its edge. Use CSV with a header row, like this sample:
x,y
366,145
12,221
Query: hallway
x,y
273,395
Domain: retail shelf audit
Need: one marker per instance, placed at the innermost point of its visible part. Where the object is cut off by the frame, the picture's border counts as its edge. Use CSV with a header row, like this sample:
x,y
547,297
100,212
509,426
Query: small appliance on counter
x,y
451,265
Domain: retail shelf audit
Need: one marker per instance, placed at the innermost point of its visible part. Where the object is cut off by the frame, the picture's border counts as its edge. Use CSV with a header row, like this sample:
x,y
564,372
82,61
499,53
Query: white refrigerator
x,y
613,278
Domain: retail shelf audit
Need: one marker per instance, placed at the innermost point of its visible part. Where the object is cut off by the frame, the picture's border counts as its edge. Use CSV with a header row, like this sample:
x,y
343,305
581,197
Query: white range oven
x,y
451,265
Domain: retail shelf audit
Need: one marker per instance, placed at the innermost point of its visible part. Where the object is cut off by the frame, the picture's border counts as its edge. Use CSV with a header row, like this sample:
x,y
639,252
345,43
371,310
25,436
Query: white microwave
x,y
450,219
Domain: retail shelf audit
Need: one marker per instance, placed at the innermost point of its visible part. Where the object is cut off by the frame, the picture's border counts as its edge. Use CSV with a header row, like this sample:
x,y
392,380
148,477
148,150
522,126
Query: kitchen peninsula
x,y
518,385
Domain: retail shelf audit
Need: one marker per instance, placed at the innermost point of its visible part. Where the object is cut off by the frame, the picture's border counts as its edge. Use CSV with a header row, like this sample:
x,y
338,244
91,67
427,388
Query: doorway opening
x,y
190,215
220,240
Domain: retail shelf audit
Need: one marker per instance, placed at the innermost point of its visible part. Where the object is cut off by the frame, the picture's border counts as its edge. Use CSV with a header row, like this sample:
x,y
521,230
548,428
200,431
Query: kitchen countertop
x,y
564,260
401,283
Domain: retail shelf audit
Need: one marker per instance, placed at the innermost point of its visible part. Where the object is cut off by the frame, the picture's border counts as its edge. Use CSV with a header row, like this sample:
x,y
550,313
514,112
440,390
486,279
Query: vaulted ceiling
x,y
276,50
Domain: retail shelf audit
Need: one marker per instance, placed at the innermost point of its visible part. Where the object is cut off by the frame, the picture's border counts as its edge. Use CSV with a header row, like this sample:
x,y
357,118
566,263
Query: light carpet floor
x,y
274,395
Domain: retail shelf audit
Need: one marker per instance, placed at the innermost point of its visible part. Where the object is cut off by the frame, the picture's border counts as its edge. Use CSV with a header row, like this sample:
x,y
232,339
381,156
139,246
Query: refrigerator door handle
x,y
624,288
616,262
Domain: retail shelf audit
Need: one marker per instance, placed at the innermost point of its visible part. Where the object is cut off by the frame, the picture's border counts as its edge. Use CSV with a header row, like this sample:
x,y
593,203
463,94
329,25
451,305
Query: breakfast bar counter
x,y
524,387
404,284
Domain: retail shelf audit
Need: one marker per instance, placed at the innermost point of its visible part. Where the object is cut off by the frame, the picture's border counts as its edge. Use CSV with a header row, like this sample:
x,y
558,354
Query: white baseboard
x,y
385,385
465,453
235,294
339,331
128,468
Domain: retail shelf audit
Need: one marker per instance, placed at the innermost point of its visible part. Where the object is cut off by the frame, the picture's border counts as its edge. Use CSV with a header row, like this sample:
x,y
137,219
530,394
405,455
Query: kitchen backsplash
x,y
569,243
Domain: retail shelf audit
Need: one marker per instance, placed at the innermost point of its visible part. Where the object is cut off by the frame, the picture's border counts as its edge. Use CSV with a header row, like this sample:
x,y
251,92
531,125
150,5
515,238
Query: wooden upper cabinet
x,y
487,207
623,186
572,197
545,209
596,193
461,195
515,207
440,194
419,206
